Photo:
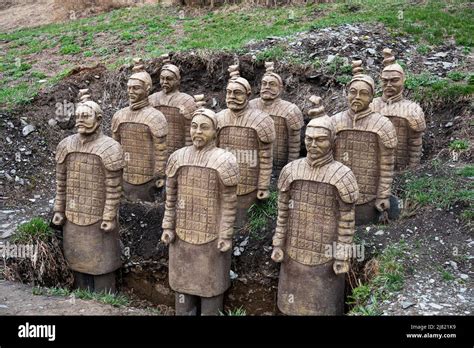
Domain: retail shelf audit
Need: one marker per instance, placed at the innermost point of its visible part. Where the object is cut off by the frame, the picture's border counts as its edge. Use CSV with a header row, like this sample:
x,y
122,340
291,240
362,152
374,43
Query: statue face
x,y
202,131
168,81
137,90
392,83
236,96
360,96
318,142
87,120
270,88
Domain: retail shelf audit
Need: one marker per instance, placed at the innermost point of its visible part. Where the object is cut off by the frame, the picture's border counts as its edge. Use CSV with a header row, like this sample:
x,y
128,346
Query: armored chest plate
x,y
280,145
137,144
359,150
85,193
243,143
176,138
401,153
197,206
312,221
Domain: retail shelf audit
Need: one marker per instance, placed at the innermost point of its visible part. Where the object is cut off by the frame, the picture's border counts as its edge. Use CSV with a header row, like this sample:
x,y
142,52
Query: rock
x,y
407,304
441,54
330,58
237,251
436,306
10,124
371,51
233,275
52,122
447,65
449,124
244,242
28,129
9,140
453,264
464,276
379,233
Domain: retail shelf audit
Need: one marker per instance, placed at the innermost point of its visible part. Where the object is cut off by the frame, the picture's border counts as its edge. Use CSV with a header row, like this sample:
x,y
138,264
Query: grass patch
x,y
238,312
116,300
426,86
261,212
389,277
459,145
446,275
467,171
33,230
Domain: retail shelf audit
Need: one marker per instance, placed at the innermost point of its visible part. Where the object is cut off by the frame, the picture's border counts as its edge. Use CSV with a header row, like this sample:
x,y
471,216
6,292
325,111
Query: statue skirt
x,y
310,290
198,269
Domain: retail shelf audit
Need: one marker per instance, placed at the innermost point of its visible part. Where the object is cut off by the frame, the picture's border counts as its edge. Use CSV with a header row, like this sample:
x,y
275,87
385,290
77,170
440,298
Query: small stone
x,y
436,306
28,129
52,122
447,65
431,281
233,275
449,124
453,264
330,58
407,304
371,51
464,276
32,200
9,140
379,233
441,54
237,251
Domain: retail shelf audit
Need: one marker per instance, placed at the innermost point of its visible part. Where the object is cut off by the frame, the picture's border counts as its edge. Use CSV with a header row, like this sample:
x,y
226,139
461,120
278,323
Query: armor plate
x,y
137,145
176,138
280,145
197,204
85,193
401,153
359,151
243,143
312,221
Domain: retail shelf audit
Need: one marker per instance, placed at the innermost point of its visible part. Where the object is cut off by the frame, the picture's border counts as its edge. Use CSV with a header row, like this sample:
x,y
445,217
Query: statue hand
x,y
340,266
263,194
277,254
382,204
108,226
168,237
224,245
59,219
159,183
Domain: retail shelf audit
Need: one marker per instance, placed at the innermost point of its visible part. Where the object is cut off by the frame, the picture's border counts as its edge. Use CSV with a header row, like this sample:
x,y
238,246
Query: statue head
x,y
203,125
320,131
393,76
360,89
139,84
272,84
238,90
88,114
170,77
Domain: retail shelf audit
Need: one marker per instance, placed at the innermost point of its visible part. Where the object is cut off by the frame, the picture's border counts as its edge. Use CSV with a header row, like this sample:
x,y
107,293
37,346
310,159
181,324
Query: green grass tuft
x,y
29,232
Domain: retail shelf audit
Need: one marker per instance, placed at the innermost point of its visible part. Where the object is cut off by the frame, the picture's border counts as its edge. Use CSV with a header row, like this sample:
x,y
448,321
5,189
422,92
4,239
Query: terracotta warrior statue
x,y
177,107
315,225
89,169
406,115
199,218
287,117
366,143
248,133
142,130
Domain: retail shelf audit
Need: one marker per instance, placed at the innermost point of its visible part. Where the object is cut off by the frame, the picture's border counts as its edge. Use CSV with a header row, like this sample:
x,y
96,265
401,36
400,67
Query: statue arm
x,y
415,143
169,219
386,167
229,209
159,144
345,226
294,144
113,192
279,238
265,158
60,200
